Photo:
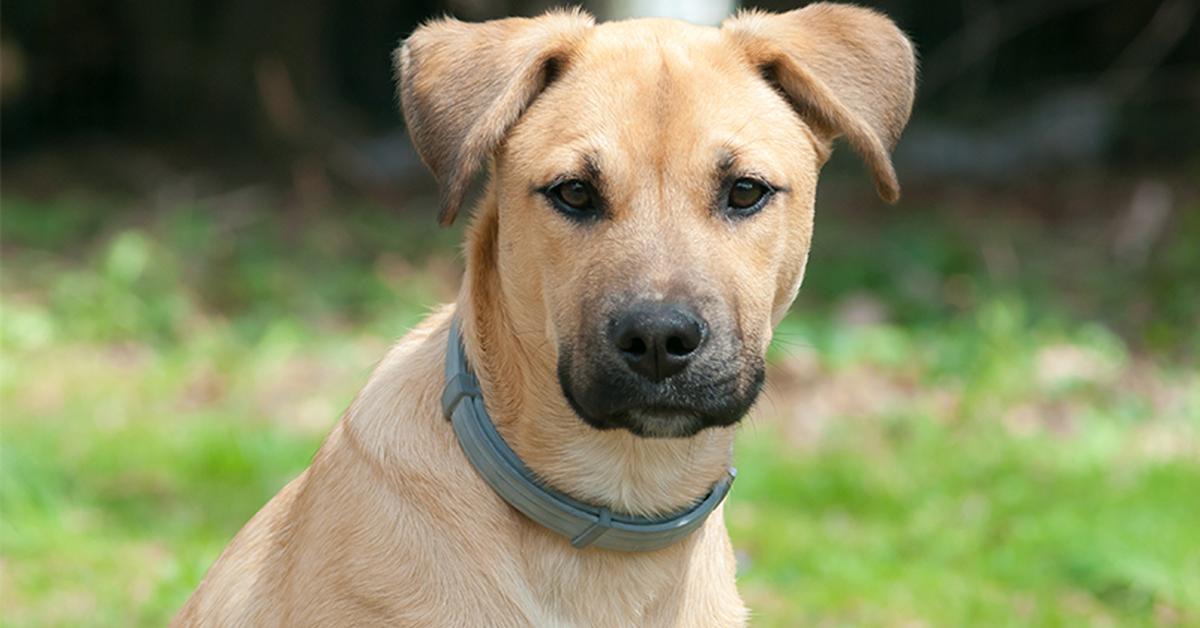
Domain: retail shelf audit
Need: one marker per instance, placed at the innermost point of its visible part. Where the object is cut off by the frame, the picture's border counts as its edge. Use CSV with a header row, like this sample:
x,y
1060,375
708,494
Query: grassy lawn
x,y
961,429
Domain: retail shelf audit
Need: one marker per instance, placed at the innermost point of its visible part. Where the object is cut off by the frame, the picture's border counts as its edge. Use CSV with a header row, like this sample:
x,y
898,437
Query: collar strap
x,y
582,524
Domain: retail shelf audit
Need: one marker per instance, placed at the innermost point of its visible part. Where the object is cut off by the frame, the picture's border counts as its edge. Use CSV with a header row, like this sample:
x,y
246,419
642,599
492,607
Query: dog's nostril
x,y
678,346
657,341
633,345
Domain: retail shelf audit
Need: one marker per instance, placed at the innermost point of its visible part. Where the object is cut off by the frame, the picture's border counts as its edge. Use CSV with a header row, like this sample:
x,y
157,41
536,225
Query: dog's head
x,y
655,183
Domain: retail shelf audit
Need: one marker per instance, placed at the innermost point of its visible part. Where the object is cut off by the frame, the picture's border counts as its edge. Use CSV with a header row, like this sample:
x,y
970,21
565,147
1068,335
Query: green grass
x,y
942,443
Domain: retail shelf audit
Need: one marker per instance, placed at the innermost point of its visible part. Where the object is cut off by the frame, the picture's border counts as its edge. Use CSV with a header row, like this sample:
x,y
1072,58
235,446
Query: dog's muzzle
x,y
660,370
582,524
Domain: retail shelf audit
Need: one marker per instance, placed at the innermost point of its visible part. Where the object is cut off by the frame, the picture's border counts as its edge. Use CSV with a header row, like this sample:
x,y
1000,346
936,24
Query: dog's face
x,y
665,220
655,183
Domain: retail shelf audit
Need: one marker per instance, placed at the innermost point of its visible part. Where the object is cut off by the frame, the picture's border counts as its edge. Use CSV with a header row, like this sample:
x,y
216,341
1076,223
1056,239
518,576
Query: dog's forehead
x,y
649,44
657,32
655,93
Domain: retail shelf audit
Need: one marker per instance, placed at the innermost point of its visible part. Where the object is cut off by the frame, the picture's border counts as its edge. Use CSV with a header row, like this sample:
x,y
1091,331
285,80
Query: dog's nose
x,y
657,341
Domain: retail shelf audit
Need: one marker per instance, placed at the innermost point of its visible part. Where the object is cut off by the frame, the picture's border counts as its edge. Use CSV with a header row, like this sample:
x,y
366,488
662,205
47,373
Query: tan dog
x,y
646,222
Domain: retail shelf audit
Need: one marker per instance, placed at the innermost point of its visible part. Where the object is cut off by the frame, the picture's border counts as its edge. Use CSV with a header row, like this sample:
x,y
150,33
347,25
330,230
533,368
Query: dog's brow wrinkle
x,y
743,127
726,158
591,169
662,114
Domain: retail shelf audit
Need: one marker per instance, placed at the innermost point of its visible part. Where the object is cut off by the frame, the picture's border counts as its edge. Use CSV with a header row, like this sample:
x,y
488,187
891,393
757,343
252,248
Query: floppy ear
x,y
845,69
462,87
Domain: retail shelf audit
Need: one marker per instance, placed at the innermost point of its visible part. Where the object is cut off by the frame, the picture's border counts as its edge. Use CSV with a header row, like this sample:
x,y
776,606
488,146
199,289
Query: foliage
x,y
942,443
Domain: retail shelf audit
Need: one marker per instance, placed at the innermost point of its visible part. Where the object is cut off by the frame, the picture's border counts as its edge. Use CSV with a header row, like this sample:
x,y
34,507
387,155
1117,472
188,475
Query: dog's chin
x,y
648,423
605,407
713,395
662,424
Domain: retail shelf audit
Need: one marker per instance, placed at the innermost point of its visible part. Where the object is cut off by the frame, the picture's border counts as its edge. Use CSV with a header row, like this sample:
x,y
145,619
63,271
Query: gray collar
x,y
582,524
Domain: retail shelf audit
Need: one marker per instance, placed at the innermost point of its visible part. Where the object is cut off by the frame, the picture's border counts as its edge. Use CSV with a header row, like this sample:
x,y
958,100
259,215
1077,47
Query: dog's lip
x,y
657,411
650,410
711,396
661,411
652,420
660,425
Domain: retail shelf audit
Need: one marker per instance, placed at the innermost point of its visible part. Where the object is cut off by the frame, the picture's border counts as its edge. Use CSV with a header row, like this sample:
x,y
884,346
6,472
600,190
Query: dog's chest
x,y
593,588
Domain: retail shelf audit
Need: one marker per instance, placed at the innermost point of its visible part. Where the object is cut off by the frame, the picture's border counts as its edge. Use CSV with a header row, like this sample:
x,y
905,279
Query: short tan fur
x,y
390,525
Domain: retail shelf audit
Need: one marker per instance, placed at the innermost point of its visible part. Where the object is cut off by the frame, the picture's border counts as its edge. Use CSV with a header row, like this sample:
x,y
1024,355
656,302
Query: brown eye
x,y
747,196
576,199
575,194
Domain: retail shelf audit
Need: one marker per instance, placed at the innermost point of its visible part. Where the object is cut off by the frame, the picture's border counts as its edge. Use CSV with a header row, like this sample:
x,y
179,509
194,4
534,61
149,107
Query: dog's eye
x,y
747,196
574,198
575,194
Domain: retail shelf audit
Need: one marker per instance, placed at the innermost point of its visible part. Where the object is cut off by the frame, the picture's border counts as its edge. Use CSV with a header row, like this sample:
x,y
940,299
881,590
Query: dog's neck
x,y
516,366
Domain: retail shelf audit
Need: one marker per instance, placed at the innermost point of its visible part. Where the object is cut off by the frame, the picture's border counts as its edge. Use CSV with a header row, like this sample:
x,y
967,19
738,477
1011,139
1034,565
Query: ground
x,y
964,425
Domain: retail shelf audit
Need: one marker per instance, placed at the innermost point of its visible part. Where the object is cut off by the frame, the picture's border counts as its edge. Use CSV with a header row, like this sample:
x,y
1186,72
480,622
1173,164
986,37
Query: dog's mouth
x,y
678,407
662,423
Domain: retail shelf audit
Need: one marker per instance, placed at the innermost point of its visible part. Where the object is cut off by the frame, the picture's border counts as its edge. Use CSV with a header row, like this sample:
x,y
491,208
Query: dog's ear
x,y
846,70
462,87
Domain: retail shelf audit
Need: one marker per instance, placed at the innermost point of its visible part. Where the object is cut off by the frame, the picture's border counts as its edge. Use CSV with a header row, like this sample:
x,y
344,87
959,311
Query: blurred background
x,y
983,409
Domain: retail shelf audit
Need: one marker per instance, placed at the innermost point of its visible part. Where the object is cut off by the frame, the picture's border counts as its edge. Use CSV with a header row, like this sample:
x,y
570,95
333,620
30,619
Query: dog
x,y
645,223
